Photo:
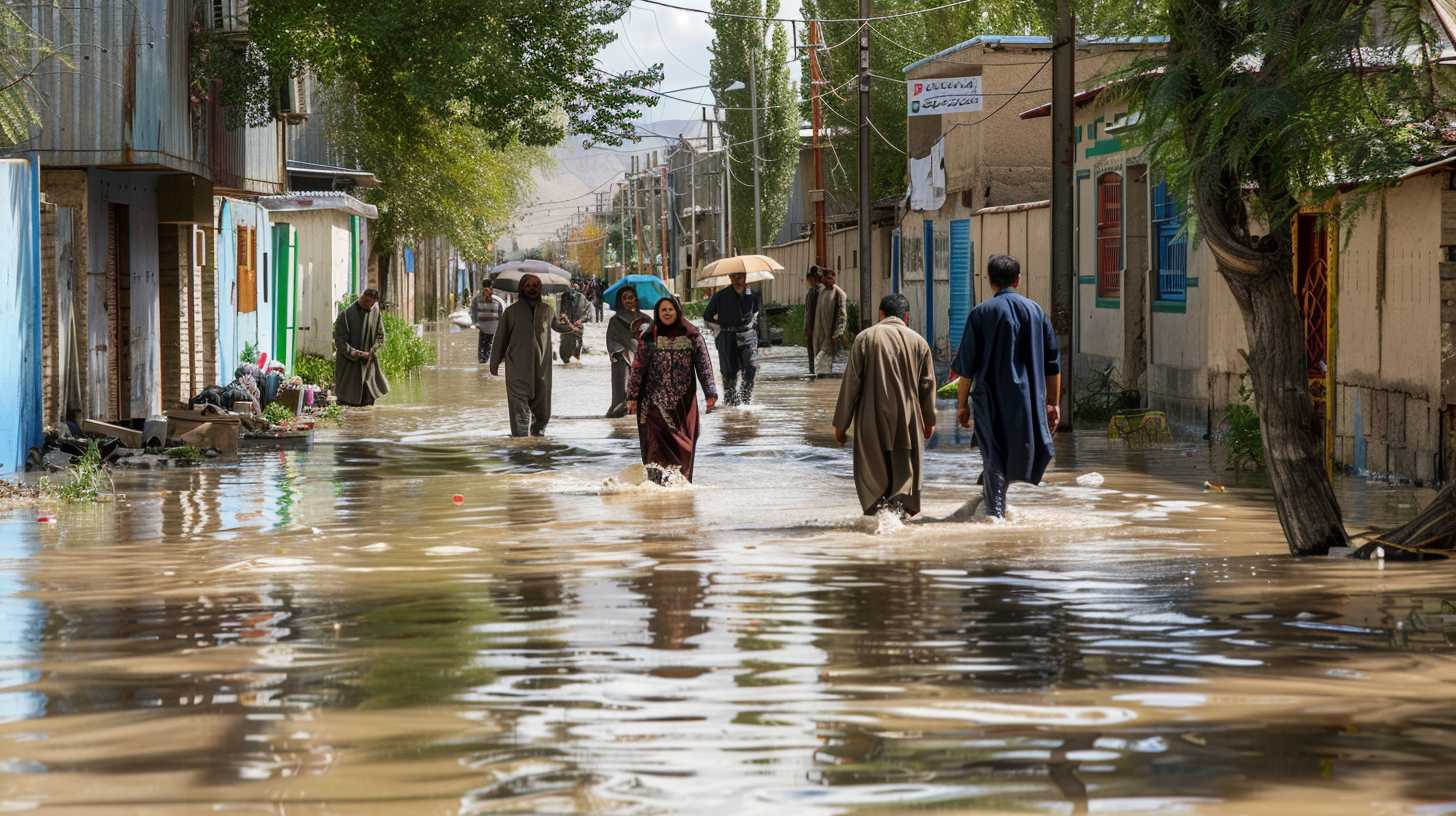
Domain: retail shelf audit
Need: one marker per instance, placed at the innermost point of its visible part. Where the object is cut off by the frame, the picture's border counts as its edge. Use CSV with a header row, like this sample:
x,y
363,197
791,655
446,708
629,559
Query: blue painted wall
x,y
227,293
20,385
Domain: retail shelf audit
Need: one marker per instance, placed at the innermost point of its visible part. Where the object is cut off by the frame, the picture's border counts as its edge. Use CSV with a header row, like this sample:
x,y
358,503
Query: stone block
x,y
1395,417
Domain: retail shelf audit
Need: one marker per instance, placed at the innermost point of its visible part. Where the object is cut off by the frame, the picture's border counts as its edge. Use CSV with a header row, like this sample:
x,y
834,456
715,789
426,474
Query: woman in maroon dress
x,y
662,390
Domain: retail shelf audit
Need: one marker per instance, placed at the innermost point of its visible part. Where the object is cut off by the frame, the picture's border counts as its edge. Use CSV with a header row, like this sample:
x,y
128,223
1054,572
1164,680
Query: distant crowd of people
x,y
1007,365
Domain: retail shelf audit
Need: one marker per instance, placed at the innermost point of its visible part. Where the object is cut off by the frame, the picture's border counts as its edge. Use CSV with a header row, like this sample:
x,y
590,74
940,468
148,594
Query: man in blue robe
x,y
1009,354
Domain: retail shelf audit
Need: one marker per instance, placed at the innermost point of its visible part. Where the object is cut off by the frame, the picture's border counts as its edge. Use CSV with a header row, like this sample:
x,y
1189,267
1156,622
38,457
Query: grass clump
x,y
1241,433
184,454
87,480
329,413
315,370
278,414
403,353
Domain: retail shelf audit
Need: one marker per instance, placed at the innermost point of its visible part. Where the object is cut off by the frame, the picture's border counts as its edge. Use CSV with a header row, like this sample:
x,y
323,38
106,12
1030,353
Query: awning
x,y
322,200
362,178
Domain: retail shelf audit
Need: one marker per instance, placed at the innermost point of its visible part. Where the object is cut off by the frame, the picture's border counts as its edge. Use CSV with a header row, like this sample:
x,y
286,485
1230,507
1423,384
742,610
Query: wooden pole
x,y
816,82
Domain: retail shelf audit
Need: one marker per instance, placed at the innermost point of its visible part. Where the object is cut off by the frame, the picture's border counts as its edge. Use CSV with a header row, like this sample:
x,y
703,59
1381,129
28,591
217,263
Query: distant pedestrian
x,y
1008,354
622,333
811,304
831,322
485,313
734,310
523,342
596,298
672,361
573,311
888,395
358,336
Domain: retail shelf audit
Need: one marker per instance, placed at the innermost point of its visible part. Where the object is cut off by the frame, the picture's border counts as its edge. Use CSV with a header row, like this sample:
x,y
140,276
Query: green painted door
x,y
285,288
356,280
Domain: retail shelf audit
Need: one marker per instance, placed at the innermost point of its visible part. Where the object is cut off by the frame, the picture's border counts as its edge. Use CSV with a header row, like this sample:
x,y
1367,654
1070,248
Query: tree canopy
x,y
522,71
736,42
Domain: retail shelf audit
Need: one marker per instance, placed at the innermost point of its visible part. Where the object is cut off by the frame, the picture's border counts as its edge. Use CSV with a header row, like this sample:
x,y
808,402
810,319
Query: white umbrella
x,y
759,268
507,276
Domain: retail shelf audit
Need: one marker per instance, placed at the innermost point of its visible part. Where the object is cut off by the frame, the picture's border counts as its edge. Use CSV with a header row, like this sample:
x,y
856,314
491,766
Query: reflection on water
x,y
325,631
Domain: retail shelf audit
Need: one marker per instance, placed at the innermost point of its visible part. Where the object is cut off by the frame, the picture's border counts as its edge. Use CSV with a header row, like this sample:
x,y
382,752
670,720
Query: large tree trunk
x,y
1293,447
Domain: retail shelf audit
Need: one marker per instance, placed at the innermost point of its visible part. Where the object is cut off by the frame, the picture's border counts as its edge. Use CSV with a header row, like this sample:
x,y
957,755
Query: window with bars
x,y
1171,246
1109,236
247,270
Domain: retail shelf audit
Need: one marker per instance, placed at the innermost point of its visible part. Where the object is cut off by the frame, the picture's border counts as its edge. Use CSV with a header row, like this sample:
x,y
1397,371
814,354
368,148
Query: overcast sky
x,y
646,35
679,40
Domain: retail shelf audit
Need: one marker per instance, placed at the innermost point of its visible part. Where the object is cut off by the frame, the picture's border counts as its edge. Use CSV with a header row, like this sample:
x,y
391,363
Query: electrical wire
x,y
893,16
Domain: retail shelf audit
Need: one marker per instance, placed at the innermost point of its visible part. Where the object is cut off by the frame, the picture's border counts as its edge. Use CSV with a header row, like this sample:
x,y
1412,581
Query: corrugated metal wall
x,y
125,99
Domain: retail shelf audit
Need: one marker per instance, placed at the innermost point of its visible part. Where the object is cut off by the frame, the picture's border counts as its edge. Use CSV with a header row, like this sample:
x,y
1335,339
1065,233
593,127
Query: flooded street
x,y
324,631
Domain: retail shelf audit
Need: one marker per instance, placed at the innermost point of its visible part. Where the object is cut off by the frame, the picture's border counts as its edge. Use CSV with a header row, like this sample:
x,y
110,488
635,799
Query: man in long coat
x,y
574,310
831,322
734,311
1009,353
358,336
811,307
523,342
888,394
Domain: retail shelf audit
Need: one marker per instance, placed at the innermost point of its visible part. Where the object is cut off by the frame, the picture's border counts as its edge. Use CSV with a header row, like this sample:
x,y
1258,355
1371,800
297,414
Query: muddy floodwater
x,y
325,631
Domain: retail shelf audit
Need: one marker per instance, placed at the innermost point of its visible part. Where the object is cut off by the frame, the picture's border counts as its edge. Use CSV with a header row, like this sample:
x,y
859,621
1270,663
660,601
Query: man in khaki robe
x,y
888,394
358,336
831,322
523,342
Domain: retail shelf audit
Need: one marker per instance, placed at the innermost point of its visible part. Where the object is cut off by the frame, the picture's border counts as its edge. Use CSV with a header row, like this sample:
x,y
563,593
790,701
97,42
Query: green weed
x,y
1241,433
315,370
403,353
87,481
278,414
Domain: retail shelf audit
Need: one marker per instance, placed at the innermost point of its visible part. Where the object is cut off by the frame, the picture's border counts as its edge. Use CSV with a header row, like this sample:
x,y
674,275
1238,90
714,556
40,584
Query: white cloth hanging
x,y
927,179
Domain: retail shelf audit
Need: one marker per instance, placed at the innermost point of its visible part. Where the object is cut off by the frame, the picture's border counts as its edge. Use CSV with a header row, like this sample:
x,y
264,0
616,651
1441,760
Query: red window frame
x,y
1109,236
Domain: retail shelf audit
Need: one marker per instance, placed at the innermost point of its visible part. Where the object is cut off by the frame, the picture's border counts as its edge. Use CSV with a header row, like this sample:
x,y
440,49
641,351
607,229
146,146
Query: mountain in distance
x,y
579,167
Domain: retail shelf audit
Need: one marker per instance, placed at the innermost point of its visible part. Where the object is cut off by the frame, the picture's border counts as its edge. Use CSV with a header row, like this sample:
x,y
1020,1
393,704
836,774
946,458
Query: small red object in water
x,y
457,498
44,520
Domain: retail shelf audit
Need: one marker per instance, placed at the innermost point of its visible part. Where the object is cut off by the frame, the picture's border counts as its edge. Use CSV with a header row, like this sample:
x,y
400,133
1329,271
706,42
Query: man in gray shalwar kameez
x,y
358,336
523,342
888,394
831,322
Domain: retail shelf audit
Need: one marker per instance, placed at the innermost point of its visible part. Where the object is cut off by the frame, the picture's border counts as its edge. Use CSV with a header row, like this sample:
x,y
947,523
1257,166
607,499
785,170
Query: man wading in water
x,y
734,310
358,336
523,342
1009,352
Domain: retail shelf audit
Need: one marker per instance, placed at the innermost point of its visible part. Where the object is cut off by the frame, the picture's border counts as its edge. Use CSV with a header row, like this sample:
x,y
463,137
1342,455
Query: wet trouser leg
x,y
540,413
728,361
484,346
747,365
993,485
619,386
520,410
810,344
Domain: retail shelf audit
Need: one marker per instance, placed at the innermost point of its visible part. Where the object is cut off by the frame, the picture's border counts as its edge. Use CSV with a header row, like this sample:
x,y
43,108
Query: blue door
x,y
20,320
226,264
929,251
895,260
961,296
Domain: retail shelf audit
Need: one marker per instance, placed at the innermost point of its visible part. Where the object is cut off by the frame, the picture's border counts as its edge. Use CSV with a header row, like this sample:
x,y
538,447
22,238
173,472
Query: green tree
x,y
23,53
520,70
737,44
455,181
1259,107
898,41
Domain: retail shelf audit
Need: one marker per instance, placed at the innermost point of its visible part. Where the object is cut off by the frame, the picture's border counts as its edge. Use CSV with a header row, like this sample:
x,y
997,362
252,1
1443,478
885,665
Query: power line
x,y
760,18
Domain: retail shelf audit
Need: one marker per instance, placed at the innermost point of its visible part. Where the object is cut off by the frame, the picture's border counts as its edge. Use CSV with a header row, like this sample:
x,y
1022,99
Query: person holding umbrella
x,y
734,311
523,342
622,333
671,362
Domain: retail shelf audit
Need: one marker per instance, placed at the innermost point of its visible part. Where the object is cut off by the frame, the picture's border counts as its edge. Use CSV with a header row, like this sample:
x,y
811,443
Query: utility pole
x,y
693,202
636,217
727,196
865,280
622,228
816,81
753,112
1064,77
666,199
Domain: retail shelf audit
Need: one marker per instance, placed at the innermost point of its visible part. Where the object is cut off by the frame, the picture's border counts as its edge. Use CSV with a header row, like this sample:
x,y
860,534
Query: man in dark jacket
x,y
734,311
811,305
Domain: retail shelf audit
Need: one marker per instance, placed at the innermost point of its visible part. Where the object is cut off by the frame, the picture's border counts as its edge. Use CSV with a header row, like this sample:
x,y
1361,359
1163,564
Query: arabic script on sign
x,y
936,97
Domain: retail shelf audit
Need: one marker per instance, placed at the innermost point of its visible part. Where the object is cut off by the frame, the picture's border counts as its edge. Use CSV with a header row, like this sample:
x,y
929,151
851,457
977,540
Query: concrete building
x,y
991,158
329,240
1377,294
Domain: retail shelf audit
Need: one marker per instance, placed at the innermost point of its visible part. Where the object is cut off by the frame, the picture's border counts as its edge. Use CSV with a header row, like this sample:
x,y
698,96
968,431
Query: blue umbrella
x,y
649,289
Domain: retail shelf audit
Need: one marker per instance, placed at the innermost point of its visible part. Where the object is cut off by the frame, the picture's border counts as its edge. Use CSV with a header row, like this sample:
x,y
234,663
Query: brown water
x,y
324,632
